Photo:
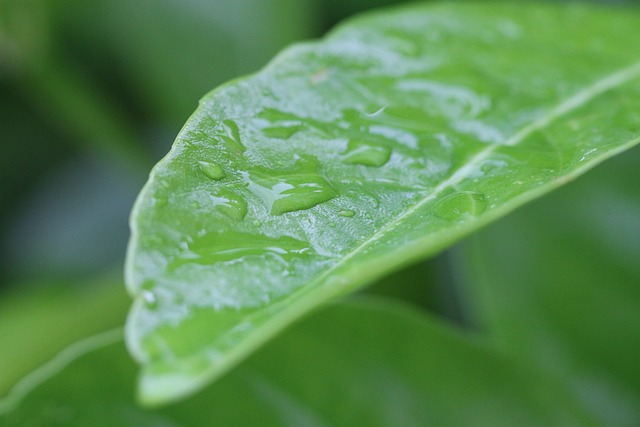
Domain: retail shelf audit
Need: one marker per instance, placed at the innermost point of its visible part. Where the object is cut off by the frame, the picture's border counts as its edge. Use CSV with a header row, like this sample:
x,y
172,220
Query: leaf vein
x,y
568,105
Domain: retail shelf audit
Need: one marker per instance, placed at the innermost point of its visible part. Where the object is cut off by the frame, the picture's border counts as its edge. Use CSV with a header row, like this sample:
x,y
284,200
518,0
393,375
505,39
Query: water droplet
x,y
459,205
216,247
282,132
301,187
588,153
368,155
450,101
230,203
256,223
160,201
395,135
230,134
347,213
280,125
276,116
376,112
212,170
149,299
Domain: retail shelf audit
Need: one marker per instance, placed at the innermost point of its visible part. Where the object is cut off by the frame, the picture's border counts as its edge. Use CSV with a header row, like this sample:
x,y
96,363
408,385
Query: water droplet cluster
x,y
288,190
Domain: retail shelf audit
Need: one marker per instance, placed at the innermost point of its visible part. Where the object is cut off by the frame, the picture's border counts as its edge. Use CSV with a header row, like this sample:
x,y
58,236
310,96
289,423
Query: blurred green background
x,y
93,93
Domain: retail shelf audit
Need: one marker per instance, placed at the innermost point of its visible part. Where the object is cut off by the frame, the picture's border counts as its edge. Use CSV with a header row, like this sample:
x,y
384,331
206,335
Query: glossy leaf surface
x,y
370,363
345,159
558,285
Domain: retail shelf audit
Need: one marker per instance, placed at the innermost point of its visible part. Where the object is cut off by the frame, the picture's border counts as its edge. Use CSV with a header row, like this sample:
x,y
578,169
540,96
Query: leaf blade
x,y
230,260
388,383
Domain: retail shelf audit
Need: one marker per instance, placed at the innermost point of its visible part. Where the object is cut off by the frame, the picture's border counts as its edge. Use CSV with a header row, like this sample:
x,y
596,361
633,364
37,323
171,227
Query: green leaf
x,y
39,322
557,285
348,158
367,362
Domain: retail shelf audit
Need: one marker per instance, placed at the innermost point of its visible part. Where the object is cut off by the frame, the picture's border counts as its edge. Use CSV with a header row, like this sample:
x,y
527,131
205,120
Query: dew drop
x,y
301,187
361,153
212,170
230,134
149,299
347,213
276,116
229,247
282,132
160,201
230,203
281,125
459,205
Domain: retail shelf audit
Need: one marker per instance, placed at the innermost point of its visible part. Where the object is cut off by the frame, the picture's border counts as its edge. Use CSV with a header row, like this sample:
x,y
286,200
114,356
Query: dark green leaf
x,y
365,363
39,322
558,285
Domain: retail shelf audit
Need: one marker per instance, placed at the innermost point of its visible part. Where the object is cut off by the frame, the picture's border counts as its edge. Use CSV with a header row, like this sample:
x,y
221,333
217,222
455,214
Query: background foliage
x,y
93,93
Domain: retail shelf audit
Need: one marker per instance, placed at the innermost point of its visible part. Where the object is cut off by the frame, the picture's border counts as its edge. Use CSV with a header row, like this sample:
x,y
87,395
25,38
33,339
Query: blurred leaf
x,y
367,363
36,322
417,284
557,284
346,159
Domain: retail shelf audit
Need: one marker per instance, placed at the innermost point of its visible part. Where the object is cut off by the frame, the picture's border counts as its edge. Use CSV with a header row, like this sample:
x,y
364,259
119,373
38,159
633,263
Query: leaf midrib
x,y
568,105
291,310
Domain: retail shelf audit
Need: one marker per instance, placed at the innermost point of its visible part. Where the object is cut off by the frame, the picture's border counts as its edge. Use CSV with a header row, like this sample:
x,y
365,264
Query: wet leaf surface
x,y
348,158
